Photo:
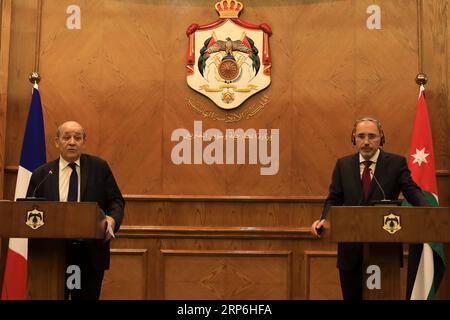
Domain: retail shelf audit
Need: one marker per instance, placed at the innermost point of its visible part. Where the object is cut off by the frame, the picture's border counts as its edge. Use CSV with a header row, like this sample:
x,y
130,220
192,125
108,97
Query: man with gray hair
x,y
369,175
81,177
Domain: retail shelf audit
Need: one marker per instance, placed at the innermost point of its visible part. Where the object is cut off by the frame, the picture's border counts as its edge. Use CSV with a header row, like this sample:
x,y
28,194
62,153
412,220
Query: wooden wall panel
x,y
5,37
123,77
231,275
221,214
22,63
176,247
184,233
322,276
435,48
127,277
5,43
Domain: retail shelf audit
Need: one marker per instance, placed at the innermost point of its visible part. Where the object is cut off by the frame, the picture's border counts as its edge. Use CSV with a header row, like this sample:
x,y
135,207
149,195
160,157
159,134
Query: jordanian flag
x,y
426,265
33,155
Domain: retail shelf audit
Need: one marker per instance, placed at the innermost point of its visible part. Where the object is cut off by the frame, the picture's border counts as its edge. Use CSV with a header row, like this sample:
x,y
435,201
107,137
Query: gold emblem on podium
x,y
391,223
35,219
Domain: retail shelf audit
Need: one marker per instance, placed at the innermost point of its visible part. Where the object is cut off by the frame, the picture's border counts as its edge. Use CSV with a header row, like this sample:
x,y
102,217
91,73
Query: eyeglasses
x,y
76,137
370,136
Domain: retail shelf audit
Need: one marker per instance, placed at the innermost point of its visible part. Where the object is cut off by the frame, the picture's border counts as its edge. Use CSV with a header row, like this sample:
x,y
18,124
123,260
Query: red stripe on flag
x,y
423,173
15,278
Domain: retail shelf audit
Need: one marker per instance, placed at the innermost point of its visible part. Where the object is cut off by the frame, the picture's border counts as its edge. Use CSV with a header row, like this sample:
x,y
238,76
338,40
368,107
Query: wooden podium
x,y
47,224
380,226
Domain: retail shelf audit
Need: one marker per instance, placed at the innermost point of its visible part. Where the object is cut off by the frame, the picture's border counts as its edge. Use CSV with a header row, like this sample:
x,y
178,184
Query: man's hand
x,y
317,225
110,225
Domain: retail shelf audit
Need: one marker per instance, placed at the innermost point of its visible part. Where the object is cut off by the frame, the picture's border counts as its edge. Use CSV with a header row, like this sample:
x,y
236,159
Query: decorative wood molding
x,y
38,36
125,284
137,252
212,198
5,38
287,254
307,257
420,35
227,252
309,254
215,233
11,169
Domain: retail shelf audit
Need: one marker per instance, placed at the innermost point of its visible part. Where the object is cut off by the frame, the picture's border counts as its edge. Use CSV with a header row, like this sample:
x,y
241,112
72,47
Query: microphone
x,y
384,202
50,172
379,186
33,196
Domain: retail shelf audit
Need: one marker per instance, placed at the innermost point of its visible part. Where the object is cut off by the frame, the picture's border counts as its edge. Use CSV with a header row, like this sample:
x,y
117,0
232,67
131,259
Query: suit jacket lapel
x,y
84,171
357,176
54,181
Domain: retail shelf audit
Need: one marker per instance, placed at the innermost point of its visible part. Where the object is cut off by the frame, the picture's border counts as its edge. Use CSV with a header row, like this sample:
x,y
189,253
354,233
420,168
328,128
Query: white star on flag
x,y
420,156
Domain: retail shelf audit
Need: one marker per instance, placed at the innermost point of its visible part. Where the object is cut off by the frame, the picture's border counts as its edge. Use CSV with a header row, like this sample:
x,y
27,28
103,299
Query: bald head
x,y
70,140
67,125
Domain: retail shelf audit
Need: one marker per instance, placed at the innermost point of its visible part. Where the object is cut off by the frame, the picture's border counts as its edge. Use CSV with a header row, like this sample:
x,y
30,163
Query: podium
x,y
378,228
47,224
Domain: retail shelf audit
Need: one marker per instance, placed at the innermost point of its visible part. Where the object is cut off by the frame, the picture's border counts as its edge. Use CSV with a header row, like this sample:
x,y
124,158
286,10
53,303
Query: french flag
x,y
33,156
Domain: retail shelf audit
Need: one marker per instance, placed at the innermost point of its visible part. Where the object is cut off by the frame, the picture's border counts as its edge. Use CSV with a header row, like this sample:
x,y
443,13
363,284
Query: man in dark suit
x,y
58,181
354,183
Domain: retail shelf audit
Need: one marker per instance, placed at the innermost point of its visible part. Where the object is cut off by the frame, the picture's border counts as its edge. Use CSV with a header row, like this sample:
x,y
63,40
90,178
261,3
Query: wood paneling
x,y
435,30
259,240
230,275
189,214
22,63
123,77
126,280
5,36
124,80
322,276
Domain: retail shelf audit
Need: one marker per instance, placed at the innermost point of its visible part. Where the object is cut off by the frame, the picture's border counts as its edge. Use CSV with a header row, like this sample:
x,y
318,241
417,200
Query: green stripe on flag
x,y
439,267
437,248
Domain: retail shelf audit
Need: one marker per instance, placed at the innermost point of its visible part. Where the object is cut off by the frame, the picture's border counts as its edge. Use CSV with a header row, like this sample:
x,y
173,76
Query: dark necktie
x,y
73,184
365,179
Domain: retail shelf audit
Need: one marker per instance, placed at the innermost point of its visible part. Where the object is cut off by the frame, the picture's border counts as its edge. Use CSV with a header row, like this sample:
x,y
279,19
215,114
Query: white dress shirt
x,y
372,165
64,177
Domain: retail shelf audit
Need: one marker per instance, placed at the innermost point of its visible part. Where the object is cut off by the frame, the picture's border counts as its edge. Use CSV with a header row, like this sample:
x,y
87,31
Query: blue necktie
x,y
73,184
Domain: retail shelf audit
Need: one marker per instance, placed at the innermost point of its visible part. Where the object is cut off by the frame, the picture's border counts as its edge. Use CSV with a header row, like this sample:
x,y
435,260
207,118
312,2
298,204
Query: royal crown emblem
x,y
228,60
35,219
391,223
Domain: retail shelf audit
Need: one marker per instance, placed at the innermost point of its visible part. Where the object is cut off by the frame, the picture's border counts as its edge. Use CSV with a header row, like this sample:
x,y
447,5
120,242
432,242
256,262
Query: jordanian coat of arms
x,y
35,219
228,60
